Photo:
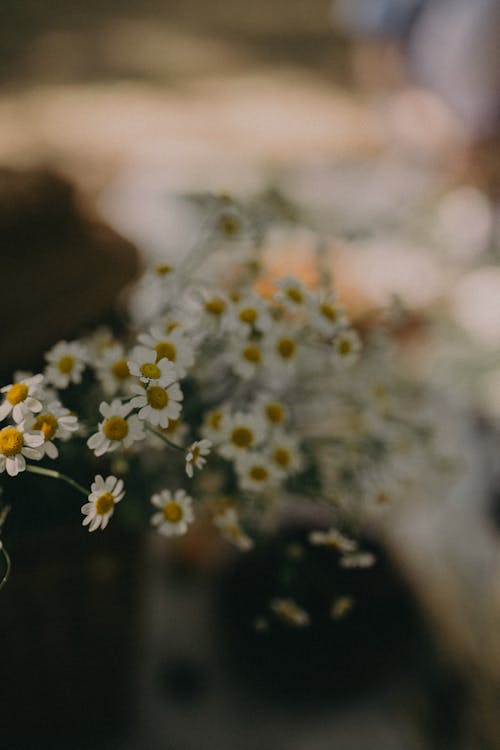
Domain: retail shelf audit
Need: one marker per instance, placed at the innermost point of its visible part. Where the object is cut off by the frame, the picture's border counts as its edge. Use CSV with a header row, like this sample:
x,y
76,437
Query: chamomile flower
x,y
284,453
230,528
54,422
117,430
66,362
292,294
283,350
256,472
332,538
241,433
214,424
15,446
290,612
326,315
158,402
246,357
271,409
248,314
112,370
145,364
21,398
214,307
104,495
175,512
195,455
175,346
346,347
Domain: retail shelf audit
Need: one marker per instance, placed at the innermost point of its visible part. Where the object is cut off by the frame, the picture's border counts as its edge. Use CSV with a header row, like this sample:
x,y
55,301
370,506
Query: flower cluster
x,y
243,393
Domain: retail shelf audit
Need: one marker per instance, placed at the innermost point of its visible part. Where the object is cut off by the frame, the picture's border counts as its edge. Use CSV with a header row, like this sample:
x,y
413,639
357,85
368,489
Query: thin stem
x,y
165,439
8,566
57,475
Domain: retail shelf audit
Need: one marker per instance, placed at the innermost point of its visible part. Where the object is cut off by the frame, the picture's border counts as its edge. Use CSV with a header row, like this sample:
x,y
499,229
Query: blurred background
x,y
379,121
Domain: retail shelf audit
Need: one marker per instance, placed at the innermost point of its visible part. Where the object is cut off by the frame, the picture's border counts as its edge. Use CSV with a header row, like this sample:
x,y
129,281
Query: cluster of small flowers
x,y
276,394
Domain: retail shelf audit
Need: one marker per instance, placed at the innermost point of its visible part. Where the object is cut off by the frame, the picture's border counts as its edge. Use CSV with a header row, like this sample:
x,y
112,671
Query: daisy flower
x,y
256,472
249,314
21,398
66,362
346,347
283,350
174,514
272,410
148,366
116,430
292,294
158,402
229,526
174,346
195,455
213,311
15,446
241,433
327,316
104,495
54,422
112,370
246,357
284,453
214,423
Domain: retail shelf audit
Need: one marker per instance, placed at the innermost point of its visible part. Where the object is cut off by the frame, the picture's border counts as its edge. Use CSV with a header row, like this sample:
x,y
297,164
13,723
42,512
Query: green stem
x,y
165,439
6,575
57,475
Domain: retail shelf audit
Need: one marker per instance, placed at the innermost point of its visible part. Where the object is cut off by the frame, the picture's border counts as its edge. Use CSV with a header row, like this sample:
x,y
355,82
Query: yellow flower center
x,y
104,504
11,441
157,397
172,512
259,473
165,349
229,225
47,424
252,354
275,412
17,393
163,269
66,364
215,306
328,311
214,420
150,371
344,347
120,369
282,456
242,437
286,348
248,315
295,295
115,428
195,454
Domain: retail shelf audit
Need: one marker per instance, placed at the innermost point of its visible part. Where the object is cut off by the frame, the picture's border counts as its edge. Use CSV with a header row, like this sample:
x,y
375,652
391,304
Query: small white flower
x,y
283,350
249,314
55,421
174,346
256,472
241,433
22,397
66,362
214,308
229,526
346,347
146,364
326,315
112,370
292,293
195,455
104,495
175,512
271,409
332,538
116,430
284,453
158,403
246,357
214,424
15,446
